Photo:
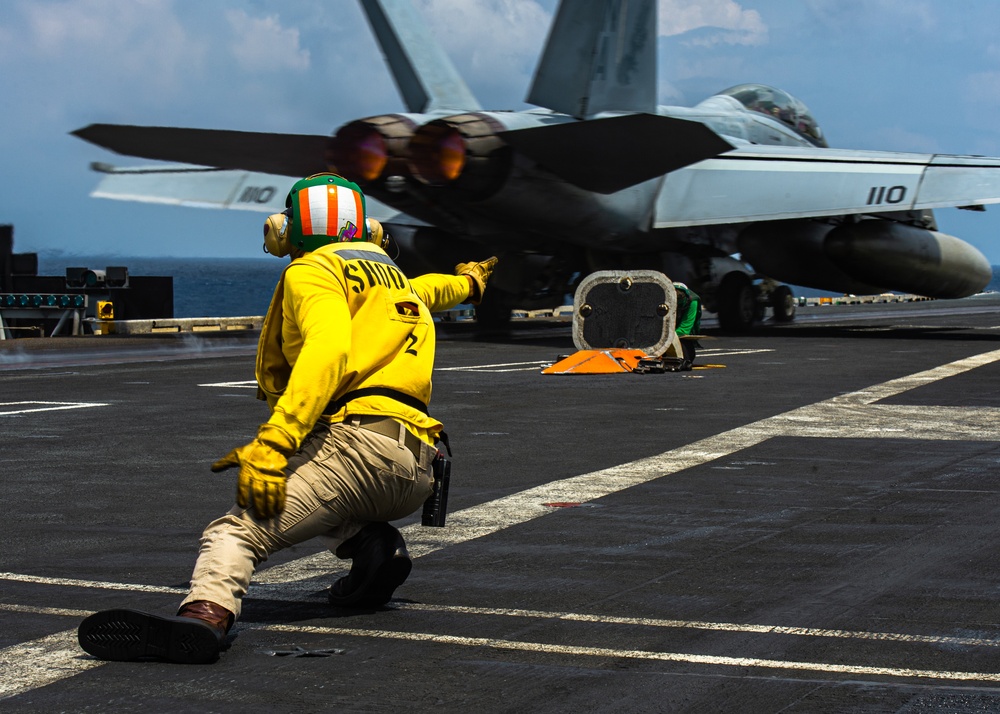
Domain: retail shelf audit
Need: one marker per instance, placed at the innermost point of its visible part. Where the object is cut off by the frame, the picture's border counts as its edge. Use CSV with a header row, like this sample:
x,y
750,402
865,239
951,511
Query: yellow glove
x,y
262,465
479,273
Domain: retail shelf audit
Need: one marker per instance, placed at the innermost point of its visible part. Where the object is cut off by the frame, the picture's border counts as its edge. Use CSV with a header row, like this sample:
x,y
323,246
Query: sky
x,y
900,75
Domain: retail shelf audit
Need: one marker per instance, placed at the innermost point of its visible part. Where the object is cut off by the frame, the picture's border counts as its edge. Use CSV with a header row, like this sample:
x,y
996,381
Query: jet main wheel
x,y
738,309
783,304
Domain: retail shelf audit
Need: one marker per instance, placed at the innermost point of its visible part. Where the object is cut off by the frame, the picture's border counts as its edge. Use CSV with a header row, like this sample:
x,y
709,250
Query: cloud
x,y
87,50
262,44
898,138
982,89
854,16
116,31
495,44
729,22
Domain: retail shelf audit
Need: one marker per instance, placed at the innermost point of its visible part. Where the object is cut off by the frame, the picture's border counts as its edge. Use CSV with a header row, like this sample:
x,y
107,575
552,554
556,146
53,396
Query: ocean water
x,y
232,287
203,287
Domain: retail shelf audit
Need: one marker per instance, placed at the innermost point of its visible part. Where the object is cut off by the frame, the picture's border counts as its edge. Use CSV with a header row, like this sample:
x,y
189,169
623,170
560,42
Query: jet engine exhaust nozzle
x,y
437,154
463,152
369,149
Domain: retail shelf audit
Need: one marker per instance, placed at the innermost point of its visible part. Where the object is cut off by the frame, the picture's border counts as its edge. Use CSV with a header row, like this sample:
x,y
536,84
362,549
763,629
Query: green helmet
x,y
325,208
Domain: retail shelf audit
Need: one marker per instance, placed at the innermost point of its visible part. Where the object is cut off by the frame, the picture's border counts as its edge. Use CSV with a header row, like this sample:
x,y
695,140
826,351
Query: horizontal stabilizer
x,y
295,155
608,155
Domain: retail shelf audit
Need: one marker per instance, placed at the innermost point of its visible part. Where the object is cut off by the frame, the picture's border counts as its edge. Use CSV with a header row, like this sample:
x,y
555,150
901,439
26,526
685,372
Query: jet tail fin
x,y
599,56
424,75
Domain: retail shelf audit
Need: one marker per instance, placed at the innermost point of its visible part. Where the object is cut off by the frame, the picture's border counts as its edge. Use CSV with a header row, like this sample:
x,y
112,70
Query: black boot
x,y
194,636
380,565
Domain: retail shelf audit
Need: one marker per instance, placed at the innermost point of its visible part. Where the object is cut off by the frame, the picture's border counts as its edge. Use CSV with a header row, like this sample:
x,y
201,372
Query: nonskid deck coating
x,y
809,527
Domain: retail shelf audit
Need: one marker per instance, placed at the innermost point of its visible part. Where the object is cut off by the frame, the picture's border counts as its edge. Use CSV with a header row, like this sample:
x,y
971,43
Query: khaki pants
x,y
342,477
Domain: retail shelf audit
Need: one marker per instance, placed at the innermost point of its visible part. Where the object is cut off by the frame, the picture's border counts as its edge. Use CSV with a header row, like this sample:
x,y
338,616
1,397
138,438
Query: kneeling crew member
x,y
688,321
344,361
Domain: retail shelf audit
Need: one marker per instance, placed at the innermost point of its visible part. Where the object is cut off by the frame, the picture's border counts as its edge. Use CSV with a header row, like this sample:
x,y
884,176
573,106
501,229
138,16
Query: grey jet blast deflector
x,y
732,196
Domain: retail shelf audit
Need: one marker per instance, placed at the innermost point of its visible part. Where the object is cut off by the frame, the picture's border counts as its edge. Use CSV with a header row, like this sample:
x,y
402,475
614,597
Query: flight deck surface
x,y
809,523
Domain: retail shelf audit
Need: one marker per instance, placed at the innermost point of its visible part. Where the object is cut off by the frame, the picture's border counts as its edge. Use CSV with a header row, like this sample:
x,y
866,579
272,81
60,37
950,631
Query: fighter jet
x,y
732,196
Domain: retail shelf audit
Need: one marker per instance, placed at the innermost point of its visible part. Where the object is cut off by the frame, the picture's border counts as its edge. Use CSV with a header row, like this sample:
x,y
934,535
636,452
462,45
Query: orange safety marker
x,y
609,361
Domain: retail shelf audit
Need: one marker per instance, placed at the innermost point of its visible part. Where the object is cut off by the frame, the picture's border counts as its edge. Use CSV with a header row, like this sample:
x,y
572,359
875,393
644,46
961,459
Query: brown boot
x,y
195,636
208,612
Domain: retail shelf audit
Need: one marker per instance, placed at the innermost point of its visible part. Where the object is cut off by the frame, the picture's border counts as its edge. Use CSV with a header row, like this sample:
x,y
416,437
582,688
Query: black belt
x,y
336,405
387,426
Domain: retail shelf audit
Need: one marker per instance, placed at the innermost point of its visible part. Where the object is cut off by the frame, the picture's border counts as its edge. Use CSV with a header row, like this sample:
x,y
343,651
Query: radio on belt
x,y
436,505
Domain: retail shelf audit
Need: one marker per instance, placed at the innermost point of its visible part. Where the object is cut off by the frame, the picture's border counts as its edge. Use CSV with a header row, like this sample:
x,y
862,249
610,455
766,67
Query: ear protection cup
x,y
276,240
377,234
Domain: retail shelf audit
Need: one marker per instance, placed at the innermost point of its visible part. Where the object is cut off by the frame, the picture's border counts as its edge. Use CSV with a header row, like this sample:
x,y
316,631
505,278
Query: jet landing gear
x,y
782,303
742,303
493,315
737,303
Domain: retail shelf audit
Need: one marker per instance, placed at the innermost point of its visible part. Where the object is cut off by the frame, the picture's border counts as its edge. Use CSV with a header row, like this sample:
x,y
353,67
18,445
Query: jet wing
x,y
184,185
200,187
774,182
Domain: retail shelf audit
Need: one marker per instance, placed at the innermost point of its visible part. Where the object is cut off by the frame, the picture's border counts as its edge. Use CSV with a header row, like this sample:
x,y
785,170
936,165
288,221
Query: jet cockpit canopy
x,y
781,106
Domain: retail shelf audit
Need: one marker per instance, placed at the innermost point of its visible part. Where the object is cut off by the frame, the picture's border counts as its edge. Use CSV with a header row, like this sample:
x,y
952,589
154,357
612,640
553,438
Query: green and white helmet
x,y
325,208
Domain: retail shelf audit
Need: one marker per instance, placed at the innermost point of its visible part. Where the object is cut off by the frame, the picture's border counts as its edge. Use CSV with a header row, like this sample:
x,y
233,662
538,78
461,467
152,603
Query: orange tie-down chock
x,y
613,361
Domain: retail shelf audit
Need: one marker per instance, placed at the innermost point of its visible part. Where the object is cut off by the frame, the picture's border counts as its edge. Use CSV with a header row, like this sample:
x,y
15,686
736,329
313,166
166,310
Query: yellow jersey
x,y
344,318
